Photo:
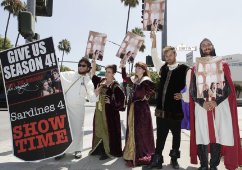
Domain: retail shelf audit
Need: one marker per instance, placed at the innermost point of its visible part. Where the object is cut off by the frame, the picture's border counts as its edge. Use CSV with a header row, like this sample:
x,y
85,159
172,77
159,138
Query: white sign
x,y
184,47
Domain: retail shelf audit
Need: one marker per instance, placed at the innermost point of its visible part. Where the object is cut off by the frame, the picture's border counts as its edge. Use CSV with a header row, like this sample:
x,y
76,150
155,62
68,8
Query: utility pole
x,y
164,32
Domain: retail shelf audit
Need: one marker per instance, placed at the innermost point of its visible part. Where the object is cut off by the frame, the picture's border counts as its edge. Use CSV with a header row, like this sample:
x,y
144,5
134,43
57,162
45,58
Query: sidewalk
x,y
9,162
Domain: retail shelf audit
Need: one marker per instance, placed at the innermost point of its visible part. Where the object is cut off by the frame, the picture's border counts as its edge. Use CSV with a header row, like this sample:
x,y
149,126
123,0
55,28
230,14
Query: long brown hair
x,y
113,67
144,67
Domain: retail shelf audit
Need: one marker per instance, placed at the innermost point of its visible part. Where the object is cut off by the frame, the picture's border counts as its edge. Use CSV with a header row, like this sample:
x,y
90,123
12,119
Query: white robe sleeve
x,y
91,96
66,79
185,95
158,63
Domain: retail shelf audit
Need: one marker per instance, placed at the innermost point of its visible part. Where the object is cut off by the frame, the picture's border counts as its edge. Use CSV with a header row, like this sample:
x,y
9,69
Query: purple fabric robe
x,y
185,124
112,117
143,128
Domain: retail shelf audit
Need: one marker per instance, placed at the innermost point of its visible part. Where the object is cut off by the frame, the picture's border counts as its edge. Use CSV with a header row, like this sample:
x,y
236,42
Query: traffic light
x,y
44,8
149,61
26,25
36,36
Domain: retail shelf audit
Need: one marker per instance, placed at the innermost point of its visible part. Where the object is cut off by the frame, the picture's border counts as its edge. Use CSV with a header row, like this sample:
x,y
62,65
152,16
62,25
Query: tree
x,y
13,7
64,68
7,46
65,47
156,79
130,4
238,89
139,32
7,43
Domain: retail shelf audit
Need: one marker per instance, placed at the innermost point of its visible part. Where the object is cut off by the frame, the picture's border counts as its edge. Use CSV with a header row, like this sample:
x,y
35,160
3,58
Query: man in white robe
x,y
77,86
214,123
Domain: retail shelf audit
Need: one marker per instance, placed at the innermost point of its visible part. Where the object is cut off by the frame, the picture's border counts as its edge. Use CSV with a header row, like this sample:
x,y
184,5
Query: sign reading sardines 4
x,y
37,109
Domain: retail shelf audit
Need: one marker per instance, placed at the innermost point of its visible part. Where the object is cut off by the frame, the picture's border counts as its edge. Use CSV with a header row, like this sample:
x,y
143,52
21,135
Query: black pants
x,y
163,127
215,150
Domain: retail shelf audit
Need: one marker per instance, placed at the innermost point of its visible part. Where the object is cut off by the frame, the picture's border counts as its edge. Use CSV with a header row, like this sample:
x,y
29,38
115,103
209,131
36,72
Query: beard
x,y
208,53
171,62
82,72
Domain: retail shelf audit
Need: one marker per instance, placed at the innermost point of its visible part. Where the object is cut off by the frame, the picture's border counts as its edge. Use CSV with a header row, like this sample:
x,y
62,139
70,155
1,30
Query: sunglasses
x,y
81,65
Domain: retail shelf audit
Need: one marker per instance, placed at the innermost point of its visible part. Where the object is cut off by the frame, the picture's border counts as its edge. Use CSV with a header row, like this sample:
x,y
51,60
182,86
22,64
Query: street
x,y
8,161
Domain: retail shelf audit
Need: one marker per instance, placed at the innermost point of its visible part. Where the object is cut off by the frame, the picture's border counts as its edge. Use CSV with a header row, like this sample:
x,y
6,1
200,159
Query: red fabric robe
x,y
232,154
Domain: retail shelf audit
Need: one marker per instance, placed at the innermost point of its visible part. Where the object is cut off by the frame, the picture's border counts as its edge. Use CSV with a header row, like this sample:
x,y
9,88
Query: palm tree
x,y
139,32
65,47
130,4
8,43
238,89
13,7
64,68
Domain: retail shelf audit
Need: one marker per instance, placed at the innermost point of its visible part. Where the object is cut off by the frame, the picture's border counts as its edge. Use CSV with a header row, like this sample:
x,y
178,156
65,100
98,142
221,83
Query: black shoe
x,y
103,157
174,164
78,155
213,168
156,162
203,168
59,157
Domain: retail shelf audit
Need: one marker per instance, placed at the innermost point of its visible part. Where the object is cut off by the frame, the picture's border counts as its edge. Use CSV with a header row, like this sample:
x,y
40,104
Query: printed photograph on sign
x,y
153,16
210,78
130,47
32,87
95,45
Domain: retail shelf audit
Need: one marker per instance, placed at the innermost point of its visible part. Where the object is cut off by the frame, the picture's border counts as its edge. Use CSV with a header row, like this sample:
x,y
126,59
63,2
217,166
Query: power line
x,y
114,43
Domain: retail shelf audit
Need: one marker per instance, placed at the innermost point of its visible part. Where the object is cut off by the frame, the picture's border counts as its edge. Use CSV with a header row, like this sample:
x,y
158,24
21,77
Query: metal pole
x,y
164,32
31,5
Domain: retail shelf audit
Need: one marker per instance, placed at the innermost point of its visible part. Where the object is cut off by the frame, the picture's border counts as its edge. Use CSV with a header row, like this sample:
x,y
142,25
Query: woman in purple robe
x,y
106,124
139,143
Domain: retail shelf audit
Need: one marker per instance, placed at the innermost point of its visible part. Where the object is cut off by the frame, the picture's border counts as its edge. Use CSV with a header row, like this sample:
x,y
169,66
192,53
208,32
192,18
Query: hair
x,y
154,21
113,67
213,53
211,86
128,52
169,48
43,82
96,51
54,71
144,67
85,60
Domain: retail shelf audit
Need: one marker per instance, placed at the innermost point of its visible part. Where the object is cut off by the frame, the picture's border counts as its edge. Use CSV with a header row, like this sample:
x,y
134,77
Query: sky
x,y
189,21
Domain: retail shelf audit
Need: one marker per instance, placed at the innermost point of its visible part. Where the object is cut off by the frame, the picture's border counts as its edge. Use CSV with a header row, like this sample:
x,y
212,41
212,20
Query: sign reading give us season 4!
x,y
37,109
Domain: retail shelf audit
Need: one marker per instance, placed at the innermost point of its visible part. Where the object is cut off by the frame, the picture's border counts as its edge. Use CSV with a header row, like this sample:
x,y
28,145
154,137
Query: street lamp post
x,y
164,32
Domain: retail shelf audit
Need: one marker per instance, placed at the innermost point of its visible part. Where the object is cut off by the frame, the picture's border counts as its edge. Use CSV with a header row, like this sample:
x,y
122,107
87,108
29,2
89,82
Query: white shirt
x,y
83,87
158,63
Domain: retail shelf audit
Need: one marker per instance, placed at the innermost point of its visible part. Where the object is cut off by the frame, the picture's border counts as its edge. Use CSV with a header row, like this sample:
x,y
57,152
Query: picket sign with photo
x,y
37,109
95,45
210,77
153,15
130,47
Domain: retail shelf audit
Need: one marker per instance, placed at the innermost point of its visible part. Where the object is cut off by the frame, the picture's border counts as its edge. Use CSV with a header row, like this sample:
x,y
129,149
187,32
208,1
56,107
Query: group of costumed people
x,y
213,124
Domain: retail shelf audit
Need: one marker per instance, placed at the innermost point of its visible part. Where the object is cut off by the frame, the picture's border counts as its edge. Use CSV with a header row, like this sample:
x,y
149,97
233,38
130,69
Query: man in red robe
x,y
214,124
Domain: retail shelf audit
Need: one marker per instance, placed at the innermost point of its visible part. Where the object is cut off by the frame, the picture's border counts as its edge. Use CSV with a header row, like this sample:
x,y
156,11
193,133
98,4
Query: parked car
x,y
239,102
3,103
